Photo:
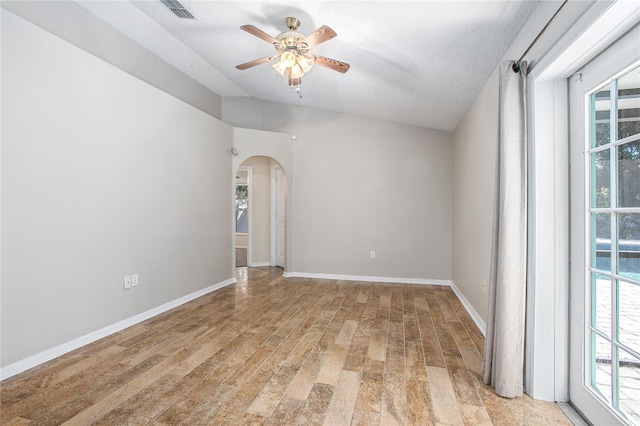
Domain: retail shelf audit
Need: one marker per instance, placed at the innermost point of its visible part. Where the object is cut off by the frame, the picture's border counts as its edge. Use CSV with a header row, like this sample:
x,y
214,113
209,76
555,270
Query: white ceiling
x,y
415,62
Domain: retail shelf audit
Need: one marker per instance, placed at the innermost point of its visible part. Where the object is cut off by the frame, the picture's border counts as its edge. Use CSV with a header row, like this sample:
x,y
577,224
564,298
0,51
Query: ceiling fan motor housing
x,y
290,39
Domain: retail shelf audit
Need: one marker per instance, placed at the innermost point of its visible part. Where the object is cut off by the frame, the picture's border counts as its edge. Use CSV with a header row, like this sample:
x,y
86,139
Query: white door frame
x,y
273,224
547,335
273,237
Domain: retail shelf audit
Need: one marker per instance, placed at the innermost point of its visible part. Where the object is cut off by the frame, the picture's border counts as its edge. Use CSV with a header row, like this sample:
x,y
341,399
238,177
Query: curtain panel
x,y
503,363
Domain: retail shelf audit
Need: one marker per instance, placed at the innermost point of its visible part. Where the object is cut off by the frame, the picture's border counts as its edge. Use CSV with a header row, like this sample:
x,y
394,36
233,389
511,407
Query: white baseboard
x,y
49,354
366,278
472,312
259,264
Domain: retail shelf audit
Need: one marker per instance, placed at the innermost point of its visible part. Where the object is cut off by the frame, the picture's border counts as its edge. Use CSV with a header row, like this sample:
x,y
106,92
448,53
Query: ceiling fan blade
x,y
259,33
332,64
320,35
255,62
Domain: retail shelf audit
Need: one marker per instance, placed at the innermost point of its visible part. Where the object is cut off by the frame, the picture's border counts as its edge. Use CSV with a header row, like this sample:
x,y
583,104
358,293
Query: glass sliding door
x,y
605,235
614,241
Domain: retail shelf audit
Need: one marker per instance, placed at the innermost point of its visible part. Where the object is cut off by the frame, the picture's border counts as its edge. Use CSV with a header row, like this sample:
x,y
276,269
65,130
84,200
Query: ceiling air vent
x,y
178,9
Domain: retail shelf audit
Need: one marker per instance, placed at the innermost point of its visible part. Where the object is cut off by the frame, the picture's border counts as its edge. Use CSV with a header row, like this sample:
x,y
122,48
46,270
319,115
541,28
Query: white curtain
x,y
504,343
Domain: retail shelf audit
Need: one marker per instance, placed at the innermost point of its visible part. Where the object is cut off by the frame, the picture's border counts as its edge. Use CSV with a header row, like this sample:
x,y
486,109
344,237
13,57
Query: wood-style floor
x,y
280,351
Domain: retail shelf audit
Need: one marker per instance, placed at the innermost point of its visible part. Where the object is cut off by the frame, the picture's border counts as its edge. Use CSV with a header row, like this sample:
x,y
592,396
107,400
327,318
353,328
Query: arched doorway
x,y
260,213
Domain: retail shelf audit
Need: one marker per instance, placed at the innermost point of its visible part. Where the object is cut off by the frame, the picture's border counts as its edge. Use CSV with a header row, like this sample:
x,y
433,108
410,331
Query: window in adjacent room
x,y
242,209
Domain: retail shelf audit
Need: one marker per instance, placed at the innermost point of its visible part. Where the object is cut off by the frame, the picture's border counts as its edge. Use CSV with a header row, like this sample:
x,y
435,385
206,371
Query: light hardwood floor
x,y
280,351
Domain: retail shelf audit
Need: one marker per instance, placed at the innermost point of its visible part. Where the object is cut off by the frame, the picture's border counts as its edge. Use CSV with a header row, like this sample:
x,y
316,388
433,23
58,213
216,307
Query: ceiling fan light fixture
x,y
305,62
280,67
288,58
286,61
296,72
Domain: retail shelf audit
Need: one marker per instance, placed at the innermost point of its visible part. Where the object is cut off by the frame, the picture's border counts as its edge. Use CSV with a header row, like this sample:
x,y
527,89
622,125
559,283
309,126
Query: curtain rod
x,y
516,65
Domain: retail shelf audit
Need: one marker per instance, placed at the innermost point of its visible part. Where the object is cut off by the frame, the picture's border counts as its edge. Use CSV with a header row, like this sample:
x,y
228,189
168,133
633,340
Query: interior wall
x,y
474,160
260,209
362,185
103,176
70,21
475,141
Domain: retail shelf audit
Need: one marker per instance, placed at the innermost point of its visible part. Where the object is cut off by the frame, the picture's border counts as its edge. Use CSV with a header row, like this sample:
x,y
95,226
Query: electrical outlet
x,y
484,285
127,282
372,254
134,280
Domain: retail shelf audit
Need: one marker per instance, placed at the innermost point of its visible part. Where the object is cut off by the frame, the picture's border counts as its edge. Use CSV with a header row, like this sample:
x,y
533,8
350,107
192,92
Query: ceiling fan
x,y
292,57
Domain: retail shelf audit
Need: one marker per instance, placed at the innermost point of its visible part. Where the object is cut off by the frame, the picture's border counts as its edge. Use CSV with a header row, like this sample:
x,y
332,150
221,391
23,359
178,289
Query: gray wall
x,y
72,22
475,141
474,159
103,176
361,185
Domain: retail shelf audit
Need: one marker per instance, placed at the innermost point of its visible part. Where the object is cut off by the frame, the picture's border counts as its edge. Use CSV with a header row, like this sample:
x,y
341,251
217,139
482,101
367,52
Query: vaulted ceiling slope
x,y
414,62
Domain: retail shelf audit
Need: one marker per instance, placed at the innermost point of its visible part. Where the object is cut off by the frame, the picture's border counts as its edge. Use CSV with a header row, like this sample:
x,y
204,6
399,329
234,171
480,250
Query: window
x,y
242,209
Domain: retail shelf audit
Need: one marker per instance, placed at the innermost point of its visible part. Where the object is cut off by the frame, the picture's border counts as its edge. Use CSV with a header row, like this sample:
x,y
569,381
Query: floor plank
x,y
443,397
343,401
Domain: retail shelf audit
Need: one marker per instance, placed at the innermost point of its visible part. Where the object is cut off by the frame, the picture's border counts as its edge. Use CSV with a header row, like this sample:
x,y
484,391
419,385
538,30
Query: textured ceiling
x,y
417,62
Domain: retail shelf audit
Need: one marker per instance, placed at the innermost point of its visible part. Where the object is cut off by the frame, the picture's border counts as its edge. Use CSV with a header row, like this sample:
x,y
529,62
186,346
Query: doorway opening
x,y
260,213
241,203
